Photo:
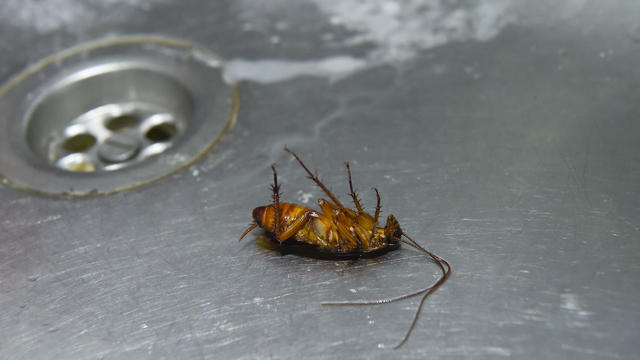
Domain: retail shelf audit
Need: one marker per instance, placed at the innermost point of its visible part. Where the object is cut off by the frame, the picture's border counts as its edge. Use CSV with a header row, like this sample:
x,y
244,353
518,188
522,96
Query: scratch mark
x,y
578,180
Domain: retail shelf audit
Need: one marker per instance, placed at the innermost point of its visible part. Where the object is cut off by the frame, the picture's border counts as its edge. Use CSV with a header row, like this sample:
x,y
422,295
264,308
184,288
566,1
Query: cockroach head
x,y
258,214
392,230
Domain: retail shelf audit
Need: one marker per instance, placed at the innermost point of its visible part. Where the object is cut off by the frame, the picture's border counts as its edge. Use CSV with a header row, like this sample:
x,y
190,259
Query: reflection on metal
x,y
108,102
101,107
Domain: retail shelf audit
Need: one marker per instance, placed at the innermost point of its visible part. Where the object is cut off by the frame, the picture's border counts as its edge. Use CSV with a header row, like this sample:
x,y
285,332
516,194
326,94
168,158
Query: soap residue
x,y
270,71
402,28
396,31
51,15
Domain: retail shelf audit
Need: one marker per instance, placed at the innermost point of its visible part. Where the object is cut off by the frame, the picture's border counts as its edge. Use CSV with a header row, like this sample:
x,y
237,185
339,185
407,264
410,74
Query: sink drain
x,y
111,115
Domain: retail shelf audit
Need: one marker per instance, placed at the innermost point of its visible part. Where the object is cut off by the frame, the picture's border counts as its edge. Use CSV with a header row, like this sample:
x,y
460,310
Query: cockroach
x,y
337,232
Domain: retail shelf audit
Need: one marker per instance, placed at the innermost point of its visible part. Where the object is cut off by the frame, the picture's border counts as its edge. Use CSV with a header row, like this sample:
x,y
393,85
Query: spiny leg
x,y
346,228
284,234
295,226
315,179
353,193
330,211
377,215
276,201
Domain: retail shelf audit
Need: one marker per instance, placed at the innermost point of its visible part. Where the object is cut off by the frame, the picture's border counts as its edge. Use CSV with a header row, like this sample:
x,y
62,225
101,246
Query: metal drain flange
x,y
114,114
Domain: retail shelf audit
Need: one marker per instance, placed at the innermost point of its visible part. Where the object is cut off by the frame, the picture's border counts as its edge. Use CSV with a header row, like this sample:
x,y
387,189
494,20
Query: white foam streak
x,y
271,71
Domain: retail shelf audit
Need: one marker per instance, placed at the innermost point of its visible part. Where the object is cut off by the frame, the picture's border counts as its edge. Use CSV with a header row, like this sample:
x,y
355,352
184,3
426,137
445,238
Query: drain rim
x,y
198,53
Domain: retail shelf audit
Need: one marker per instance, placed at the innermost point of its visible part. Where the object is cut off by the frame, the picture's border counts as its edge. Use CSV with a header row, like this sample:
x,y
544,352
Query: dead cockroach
x,y
337,232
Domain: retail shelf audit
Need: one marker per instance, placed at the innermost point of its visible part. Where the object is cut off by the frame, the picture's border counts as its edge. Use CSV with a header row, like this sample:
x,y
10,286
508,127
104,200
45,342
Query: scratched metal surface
x,y
515,157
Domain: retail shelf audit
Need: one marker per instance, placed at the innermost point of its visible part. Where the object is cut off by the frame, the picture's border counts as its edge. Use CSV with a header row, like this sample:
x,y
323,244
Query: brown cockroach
x,y
337,232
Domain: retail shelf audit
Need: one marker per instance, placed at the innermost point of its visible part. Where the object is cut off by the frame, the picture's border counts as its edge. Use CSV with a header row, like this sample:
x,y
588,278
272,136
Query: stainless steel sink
x,y
504,136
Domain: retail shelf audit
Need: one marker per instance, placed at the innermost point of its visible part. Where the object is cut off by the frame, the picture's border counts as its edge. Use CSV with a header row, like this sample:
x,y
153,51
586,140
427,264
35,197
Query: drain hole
x,y
76,162
79,143
112,115
122,122
161,132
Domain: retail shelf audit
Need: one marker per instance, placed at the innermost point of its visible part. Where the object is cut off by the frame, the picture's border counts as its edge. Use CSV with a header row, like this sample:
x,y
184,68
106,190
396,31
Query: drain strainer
x,y
111,115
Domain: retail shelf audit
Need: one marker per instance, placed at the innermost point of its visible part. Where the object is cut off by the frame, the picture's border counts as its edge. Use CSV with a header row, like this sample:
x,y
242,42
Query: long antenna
x,y
445,274
442,263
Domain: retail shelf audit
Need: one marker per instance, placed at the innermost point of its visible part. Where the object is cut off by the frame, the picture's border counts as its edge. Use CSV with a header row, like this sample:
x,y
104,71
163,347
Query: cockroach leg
x,y
377,214
295,226
315,179
276,201
353,193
